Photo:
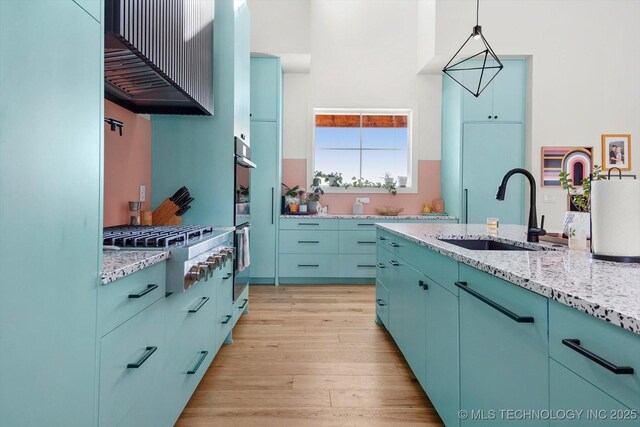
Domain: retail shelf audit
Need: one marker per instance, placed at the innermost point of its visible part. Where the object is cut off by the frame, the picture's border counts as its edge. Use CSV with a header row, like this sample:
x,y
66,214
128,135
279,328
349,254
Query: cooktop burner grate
x,y
154,236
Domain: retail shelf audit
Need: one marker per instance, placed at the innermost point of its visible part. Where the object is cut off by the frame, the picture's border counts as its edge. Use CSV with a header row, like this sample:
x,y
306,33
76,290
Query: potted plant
x,y
580,198
388,178
290,195
243,194
334,179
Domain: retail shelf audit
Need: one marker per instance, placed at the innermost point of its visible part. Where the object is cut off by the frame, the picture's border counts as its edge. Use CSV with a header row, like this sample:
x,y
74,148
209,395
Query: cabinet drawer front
x,y
351,265
308,265
608,342
309,242
240,305
439,268
308,224
132,396
389,241
568,390
362,224
357,242
224,309
121,300
382,303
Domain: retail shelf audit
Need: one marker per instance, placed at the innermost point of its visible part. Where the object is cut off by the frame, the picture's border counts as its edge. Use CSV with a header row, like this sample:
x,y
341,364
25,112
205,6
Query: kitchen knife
x,y
183,210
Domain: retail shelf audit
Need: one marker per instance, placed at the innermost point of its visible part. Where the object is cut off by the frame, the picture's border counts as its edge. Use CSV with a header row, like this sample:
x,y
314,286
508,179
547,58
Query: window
x,y
363,144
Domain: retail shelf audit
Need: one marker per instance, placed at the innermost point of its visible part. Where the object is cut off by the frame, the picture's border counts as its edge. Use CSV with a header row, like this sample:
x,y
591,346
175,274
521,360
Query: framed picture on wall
x,y
616,151
576,161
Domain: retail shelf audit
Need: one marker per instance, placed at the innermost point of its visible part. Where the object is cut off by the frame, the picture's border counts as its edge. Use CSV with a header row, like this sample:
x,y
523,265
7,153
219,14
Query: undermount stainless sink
x,y
484,245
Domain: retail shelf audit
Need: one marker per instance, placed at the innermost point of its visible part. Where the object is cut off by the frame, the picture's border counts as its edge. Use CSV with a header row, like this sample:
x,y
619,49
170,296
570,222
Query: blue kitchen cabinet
x,y
266,152
266,89
502,100
223,284
442,373
50,212
490,150
242,70
588,405
504,348
484,137
197,151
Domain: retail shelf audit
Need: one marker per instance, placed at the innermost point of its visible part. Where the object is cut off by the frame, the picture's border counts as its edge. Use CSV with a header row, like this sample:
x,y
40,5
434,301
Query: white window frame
x,y
412,166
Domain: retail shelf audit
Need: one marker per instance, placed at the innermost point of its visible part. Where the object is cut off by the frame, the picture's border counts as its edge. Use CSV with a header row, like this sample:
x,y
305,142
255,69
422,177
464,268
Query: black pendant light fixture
x,y
481,68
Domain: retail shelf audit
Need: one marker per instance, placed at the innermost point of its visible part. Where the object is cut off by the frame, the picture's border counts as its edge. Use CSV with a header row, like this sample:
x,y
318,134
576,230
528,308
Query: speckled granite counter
x,y
117,264
607,290
376,217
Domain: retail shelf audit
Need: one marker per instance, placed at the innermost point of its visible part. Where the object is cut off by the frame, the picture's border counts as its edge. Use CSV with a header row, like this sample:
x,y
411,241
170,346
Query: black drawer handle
x,y
501,309
147,354
574,345
380,302
381,265
394,244
143,293
202,302
227,276
314,242
382,238
364,242
423,285
227,318
308,223
244,304
309,265
366,225
366,266
203,355
394,263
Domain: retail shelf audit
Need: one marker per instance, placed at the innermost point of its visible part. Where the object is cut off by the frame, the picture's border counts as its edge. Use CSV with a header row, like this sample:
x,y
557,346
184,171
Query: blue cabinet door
x,y
442,356
265,88
589,405
242,71
265,198
488,152
50,156
504,364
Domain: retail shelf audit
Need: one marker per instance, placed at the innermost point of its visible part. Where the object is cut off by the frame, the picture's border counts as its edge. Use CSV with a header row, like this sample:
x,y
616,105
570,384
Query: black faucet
x,y
533,231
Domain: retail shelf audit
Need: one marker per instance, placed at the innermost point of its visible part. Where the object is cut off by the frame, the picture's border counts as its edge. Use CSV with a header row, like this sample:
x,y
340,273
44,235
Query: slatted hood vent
x,y
159,55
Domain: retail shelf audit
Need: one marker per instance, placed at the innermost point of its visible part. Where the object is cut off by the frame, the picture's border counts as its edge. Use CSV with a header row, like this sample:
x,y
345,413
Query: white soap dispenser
x,y
358,207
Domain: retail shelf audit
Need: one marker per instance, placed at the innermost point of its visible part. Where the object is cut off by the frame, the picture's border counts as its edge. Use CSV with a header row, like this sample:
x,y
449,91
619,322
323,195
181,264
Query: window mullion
x,y
361,118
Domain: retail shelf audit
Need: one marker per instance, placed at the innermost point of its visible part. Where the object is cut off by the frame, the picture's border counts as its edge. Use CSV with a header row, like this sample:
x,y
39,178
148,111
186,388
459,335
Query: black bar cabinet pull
x,y
147,354
381,265
227,276
394,263
423,285
199,306
574,345
146,291
203,355
501,309
273,189
244,304
365,242
366,266
394,244
308,223
309,265
466,206
382,238
311,242
366,225
380,302
227,318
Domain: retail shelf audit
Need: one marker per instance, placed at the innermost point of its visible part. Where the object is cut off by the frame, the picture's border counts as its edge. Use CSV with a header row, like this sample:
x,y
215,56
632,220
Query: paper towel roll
x,y
615,217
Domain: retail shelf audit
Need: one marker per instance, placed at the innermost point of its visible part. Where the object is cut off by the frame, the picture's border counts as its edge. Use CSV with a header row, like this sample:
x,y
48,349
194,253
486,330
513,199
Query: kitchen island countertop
x,y
606,290
118,264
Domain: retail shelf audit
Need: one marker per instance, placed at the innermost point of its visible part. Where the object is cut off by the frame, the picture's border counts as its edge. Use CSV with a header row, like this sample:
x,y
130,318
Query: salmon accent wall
x,y
127,164
294,172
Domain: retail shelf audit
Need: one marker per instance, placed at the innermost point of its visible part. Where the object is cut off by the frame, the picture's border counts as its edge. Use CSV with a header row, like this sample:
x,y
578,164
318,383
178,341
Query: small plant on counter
x,y
290,192
580,197
388,178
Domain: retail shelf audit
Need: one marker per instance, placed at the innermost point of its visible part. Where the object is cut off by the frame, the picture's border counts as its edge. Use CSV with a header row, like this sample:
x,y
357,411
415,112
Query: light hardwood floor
x,y
309,356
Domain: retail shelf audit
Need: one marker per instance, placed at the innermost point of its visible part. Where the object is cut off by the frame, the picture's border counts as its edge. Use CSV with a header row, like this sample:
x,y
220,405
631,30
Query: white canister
x,y
615,227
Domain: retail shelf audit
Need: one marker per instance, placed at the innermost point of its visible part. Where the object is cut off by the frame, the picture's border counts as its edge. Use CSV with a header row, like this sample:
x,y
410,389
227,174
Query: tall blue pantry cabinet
x,y
51,132
482,139
266,149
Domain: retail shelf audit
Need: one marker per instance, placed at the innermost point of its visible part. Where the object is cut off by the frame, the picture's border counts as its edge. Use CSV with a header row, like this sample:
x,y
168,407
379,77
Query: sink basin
x,y
484,245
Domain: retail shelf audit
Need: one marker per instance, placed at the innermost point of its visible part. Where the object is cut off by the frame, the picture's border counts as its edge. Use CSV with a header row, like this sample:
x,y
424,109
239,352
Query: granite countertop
x,y
117,264
376,217
606,290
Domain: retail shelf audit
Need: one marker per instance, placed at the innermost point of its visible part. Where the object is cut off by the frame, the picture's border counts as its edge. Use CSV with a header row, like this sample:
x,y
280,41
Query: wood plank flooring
x,y
309,356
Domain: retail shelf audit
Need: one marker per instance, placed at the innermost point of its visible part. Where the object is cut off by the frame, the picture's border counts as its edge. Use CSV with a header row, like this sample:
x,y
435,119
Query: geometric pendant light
x,y
475,70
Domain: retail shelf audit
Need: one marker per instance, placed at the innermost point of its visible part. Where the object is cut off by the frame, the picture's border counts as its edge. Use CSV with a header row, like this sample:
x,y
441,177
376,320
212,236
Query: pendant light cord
x,y
477,11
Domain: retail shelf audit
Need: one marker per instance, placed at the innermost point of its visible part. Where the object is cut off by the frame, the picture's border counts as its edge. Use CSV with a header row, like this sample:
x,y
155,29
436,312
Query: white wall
x,y
585,78
584,81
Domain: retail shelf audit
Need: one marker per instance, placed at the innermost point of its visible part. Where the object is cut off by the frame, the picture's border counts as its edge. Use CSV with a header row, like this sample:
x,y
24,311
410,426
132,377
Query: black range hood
x,y
159,55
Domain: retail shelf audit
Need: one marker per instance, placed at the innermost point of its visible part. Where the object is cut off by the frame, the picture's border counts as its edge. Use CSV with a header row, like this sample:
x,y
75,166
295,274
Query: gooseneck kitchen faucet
x,y
533,231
